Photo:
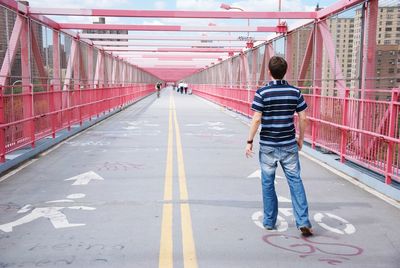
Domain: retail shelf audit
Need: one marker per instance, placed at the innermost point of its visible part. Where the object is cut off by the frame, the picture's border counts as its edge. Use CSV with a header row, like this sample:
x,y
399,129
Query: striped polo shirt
x,y
278,101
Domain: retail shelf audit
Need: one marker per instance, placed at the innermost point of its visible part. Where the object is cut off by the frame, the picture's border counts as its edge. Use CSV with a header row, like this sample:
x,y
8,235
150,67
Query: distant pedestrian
x,y
274,106
180,87
185,87
158,88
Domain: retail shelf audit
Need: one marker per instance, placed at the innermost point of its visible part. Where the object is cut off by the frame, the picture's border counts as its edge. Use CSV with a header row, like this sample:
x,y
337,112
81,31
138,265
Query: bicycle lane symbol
x,y
327,249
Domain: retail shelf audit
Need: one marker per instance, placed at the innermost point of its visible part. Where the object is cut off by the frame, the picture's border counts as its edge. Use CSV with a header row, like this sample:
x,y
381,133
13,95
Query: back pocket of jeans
x,y
290,149
266,149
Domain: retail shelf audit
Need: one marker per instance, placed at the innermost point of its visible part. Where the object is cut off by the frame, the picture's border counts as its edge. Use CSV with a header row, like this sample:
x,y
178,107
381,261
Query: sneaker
x,y
306,231
269,228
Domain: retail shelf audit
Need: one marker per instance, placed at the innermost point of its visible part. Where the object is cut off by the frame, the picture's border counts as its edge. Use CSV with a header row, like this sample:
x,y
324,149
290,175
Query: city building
x,y
102,20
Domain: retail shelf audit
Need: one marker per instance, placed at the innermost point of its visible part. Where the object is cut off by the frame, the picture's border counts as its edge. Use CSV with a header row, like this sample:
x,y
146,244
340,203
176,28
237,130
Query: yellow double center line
x,y
166,242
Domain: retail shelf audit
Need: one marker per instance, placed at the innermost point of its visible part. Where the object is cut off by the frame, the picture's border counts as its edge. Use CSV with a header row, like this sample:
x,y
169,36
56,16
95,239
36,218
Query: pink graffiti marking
x,y
305,247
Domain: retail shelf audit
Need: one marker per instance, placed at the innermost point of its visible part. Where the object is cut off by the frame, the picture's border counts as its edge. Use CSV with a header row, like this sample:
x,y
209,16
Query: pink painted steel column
x,y
268,53
124,69
56,61
90,77
254,69
83,77
230,72
315,114
392,126
2,130
107,74
52,110
343,138
98,74
368,73
27,88
369,31
288,56
76,66
114,70
38,59
67,83
306,59
56,83
318,52
244,108
119,71
244,76
317,82
71,61
80,81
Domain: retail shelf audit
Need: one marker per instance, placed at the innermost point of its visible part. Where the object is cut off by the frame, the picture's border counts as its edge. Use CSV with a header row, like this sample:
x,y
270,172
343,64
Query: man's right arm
x,y
302,128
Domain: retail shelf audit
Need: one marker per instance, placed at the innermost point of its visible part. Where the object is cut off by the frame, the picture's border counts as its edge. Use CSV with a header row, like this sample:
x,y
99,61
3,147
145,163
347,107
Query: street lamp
x,y
228,7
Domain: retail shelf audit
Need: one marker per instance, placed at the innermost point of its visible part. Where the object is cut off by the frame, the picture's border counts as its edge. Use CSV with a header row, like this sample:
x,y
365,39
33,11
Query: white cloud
x,y
197,4
268,5
160,5
153,22
82,4
114,4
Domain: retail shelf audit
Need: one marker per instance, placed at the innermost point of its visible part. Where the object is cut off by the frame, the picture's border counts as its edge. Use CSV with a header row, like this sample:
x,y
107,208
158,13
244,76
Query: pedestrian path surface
x,y
165,183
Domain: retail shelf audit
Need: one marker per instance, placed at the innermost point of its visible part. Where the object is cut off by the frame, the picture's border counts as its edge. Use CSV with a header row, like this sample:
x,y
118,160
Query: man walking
x,y
274,106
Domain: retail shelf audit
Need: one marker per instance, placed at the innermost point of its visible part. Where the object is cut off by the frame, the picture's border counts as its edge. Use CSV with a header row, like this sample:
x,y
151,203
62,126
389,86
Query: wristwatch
x,y
250,142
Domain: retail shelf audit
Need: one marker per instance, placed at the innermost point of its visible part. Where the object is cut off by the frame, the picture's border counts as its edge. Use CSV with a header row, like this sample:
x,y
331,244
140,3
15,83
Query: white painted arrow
x,y
283,199
257,174
85,178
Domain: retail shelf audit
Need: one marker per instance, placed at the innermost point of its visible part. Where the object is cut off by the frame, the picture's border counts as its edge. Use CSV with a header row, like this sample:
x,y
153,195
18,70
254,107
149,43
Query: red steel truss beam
x,y
172,14
179,57
268,53
331,52
38,58
337,7
306,59
71,64
11,50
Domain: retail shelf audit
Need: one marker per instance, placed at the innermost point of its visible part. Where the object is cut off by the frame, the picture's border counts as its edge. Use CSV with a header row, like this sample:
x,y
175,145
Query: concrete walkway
x,y
165,183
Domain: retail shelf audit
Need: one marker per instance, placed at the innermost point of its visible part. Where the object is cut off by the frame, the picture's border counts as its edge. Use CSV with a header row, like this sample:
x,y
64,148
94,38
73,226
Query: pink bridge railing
x,y
364,131
28,114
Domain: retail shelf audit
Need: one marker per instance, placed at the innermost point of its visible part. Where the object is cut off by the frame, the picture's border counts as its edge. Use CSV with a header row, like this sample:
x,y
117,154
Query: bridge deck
x,y
121,208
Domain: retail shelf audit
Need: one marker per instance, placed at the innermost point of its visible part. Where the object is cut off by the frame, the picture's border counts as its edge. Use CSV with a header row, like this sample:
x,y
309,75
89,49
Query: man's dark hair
x,y
277,67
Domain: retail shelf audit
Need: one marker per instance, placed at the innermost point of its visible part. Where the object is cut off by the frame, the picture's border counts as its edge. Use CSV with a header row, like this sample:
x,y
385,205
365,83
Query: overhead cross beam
x,y
149,54
173,57
172,14
173,49
173,28
167,44
218,37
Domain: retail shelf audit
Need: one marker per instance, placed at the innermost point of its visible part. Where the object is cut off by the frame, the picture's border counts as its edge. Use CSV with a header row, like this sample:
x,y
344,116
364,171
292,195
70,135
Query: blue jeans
x,y
288,157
